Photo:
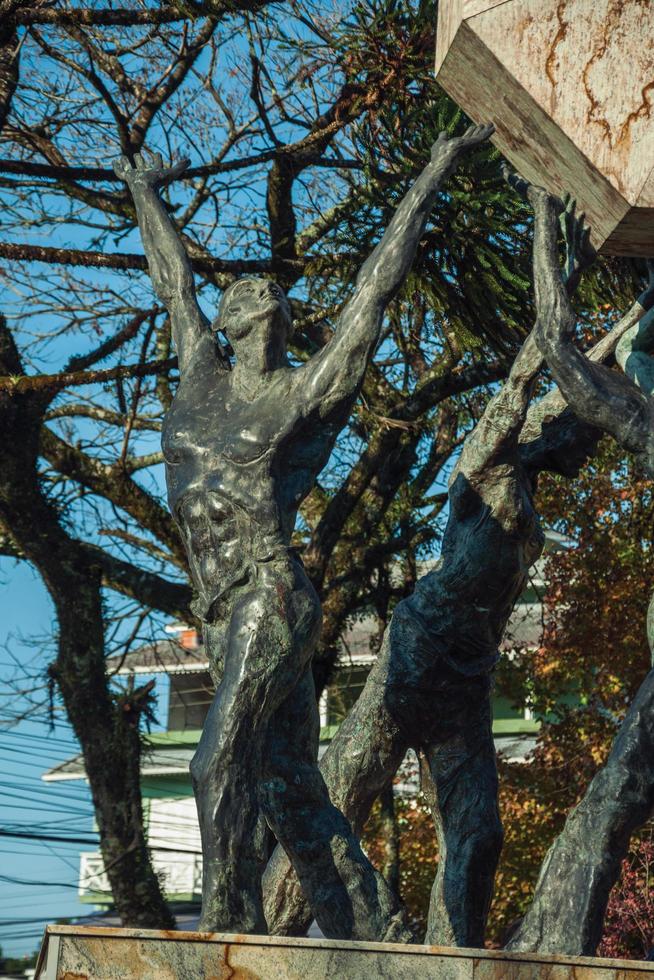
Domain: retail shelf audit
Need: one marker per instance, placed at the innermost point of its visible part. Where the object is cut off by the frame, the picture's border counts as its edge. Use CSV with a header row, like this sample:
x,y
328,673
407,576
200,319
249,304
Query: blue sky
x,y
45,873
26,803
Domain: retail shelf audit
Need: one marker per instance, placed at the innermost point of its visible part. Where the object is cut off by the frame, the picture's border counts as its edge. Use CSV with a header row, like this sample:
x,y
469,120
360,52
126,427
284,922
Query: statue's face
x,y
255,305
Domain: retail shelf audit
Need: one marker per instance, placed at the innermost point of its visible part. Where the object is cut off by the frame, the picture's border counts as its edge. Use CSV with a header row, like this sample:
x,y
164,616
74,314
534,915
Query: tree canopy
x,y
304,126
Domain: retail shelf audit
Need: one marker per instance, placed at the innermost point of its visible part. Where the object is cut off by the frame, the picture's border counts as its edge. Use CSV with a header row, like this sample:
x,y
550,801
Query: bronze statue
x,y
583,864
243,445
431,684
619,403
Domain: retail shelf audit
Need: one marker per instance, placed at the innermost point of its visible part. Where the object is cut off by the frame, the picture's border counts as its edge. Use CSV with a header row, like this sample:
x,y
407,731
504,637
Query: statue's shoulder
x,y
204,362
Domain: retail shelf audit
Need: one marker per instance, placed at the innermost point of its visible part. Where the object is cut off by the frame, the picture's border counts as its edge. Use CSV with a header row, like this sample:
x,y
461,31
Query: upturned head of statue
x,y
255,317
254,314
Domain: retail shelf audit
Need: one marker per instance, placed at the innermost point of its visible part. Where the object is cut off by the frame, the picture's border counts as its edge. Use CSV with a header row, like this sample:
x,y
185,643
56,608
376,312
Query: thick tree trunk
x,y
9,52
108,732
106,727
391,835
584,862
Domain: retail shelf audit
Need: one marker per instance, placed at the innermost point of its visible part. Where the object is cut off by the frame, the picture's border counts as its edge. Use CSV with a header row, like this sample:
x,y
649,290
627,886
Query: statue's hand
x,y
152,174
531,193
450,147
579,253
517,182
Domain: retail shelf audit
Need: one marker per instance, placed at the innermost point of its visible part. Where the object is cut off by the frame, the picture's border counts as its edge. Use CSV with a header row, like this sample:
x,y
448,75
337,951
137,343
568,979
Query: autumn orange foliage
x,y
592,659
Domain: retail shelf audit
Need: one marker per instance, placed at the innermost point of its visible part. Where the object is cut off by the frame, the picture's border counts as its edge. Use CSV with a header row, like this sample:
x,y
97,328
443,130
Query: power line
x,y
48,837
26,922
42,884
86,840
52,739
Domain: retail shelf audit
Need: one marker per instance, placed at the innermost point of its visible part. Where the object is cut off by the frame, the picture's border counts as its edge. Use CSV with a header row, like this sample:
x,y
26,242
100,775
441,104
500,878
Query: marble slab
x,y
569,85
96,953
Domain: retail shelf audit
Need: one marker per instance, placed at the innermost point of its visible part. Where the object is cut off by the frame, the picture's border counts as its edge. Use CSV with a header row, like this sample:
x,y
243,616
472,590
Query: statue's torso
x,y
492,538
235,471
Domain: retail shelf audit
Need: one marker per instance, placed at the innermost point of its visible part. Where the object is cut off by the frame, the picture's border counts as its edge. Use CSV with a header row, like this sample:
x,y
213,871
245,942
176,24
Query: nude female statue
x,y
243,445
430,687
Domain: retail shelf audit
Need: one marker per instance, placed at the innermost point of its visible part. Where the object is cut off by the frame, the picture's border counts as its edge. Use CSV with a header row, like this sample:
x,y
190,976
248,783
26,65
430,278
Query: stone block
x,y
94,953
569,85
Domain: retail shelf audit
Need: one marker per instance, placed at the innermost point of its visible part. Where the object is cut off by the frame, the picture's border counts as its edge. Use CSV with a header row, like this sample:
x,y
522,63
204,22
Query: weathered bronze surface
x,y
569,85
74,953
243,444
584,862
430,687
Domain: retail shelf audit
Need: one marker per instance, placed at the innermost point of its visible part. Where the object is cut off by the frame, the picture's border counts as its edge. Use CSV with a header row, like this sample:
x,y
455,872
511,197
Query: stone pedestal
x,y
94,953
569,85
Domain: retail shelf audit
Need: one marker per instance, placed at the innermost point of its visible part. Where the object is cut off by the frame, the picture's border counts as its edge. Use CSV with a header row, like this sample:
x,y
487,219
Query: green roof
x,y
190,736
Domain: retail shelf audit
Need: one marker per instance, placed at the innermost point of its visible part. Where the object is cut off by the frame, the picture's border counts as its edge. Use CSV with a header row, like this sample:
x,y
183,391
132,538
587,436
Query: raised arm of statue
x,y
170,270
333,376
635,350
596,394
500,426
498,429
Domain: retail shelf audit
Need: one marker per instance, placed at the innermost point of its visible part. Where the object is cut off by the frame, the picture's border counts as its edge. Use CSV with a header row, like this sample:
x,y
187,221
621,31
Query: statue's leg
x,y
349,899
460,781
271,633
359,764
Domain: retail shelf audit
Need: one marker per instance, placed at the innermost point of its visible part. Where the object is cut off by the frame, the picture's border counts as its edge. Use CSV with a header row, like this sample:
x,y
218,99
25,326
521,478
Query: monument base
x,y
96,953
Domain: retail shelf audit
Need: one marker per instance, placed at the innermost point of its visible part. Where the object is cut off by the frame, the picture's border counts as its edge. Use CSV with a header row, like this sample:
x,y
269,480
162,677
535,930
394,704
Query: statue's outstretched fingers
x,y
140,162
485,131
476,135
585,239
442,139
587,251
121,167
516,181
157,161
173,171
181,165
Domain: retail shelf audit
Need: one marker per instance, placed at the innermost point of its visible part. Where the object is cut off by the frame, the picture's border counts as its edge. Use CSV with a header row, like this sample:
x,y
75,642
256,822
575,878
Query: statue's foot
x,y
232,904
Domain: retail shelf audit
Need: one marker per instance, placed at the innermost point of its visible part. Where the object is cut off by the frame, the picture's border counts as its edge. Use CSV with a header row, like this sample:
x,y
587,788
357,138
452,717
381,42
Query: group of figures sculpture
x,y
244,440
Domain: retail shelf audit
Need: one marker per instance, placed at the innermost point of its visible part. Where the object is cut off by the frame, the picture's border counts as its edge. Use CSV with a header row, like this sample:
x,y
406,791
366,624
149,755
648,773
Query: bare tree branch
x,y
52,383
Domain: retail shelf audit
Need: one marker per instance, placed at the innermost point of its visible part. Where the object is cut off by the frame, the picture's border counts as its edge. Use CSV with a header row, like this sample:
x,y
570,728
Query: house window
x,y
190,697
